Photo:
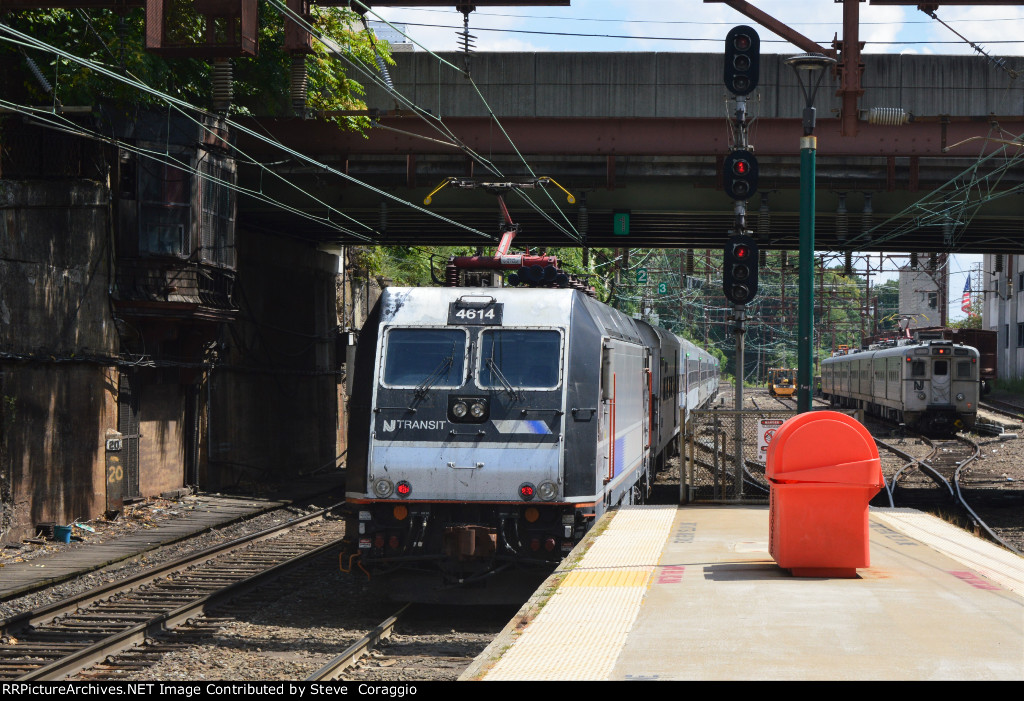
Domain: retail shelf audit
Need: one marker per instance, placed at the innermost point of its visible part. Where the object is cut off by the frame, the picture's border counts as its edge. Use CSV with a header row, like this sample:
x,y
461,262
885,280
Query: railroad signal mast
x,y
739,180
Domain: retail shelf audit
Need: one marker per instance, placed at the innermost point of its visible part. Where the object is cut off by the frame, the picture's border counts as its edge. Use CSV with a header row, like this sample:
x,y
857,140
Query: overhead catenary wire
x,y
571,232
187,108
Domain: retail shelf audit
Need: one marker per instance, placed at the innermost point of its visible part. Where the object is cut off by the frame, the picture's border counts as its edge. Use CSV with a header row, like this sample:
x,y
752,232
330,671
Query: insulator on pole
x,y
842,219
888,116
223,85
299,83
43,82
383,68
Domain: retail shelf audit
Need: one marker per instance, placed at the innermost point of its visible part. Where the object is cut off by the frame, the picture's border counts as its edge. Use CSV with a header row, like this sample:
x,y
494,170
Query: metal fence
x,y
710,471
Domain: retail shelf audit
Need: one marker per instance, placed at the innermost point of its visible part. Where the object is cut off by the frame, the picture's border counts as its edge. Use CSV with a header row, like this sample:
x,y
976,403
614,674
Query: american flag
x,y
965,305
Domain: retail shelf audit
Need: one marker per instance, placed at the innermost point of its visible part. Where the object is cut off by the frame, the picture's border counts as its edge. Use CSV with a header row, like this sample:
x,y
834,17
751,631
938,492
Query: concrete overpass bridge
x,y
646,133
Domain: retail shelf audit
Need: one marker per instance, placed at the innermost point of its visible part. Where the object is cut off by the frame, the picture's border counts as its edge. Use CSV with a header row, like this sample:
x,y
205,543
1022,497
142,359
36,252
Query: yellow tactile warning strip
x,y
612,578
607,578
989,560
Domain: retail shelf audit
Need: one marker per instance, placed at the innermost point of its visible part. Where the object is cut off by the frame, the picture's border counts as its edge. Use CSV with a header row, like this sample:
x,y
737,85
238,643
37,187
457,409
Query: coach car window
x,y
425,356
520,357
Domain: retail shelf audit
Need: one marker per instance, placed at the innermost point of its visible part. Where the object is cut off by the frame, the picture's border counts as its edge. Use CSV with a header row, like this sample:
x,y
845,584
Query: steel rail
x,y
339,664
119,641
953,485
51,611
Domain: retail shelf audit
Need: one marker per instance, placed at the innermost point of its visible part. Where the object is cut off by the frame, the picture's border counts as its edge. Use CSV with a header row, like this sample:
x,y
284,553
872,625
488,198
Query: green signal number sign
x,y
663,288
641,276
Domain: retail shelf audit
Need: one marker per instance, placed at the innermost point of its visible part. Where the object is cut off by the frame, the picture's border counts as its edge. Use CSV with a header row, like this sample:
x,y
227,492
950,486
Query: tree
x,y
117,41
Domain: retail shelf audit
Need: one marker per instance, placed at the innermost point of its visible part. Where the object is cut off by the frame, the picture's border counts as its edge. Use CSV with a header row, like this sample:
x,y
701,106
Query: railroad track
x,y
945,467
435,643
343,662
62,639
1010,411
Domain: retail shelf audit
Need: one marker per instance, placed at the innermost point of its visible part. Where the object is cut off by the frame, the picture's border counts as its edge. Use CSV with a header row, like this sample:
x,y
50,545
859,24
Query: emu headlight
x,y
960,396
922,396
547,491
383,488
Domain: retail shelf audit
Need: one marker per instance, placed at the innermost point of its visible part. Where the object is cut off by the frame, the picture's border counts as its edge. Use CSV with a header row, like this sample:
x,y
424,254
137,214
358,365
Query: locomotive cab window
x,y
432,357
520,358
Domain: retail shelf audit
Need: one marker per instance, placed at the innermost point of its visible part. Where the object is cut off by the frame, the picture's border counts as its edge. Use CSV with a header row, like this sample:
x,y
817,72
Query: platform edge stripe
x,y
635,537
567,642
987,559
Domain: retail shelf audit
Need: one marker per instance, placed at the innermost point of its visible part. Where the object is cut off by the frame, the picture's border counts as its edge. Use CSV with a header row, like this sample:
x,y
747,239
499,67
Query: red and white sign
x,y
765,432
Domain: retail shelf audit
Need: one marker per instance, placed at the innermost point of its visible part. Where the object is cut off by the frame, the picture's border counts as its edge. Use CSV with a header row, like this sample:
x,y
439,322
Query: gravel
x,y
289,632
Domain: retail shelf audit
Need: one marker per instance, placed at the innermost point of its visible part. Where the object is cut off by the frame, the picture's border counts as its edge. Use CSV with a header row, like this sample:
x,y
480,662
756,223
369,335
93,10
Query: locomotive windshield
x,y
522,358
428,357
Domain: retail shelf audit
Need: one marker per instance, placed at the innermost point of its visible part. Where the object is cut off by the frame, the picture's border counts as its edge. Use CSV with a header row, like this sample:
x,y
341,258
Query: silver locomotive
x,y
490,428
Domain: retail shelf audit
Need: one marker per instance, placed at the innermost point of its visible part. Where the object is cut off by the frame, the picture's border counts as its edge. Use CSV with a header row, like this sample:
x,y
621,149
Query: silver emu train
x,y
932,386
490,428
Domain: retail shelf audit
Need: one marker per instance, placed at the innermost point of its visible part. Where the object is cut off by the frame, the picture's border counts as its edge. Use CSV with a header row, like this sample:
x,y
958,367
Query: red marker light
x,y
526,491
404,489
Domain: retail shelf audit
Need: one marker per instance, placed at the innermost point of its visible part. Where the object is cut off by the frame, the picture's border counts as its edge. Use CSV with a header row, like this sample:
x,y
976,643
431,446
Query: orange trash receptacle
x,y
823,469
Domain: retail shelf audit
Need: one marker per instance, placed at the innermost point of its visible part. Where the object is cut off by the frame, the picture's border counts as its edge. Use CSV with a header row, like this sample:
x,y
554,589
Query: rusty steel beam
x,y
633,136
774,25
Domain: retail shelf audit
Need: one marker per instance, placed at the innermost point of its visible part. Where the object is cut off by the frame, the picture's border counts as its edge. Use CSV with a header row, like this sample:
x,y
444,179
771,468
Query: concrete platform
x,y
692,593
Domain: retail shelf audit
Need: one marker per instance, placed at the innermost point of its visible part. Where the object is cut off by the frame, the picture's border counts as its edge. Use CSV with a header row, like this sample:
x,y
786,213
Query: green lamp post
x,y
809,69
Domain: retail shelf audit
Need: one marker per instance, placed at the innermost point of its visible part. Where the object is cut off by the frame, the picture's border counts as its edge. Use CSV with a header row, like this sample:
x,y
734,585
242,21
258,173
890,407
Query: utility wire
x,y
572,232
186,107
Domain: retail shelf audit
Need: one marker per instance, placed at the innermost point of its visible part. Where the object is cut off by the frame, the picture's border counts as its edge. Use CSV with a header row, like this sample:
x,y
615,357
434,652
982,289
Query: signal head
x,y
739,270
740,174
742,60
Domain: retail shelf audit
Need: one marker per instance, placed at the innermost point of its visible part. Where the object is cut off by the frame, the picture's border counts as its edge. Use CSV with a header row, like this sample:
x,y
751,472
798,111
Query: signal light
x,y
742,60
740,174
739,273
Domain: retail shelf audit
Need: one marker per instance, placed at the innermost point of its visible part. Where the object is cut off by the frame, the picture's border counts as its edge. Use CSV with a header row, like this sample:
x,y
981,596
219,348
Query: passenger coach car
x,y
932,386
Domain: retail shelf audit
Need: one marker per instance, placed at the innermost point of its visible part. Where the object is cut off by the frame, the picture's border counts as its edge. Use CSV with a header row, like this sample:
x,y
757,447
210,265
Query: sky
x,y
700,27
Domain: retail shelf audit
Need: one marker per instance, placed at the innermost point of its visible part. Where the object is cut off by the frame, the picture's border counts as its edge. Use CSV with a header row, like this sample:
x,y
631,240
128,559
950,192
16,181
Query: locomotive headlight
x,y
383,488
960,396
459,409
477,410
922,396
547,491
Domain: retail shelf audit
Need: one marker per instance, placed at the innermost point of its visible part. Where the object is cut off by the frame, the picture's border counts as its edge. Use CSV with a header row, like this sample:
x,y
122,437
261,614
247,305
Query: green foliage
x,y
409,266
117,41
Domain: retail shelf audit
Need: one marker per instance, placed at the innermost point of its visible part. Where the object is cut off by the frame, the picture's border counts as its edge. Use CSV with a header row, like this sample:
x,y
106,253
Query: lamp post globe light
x,y
809,69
